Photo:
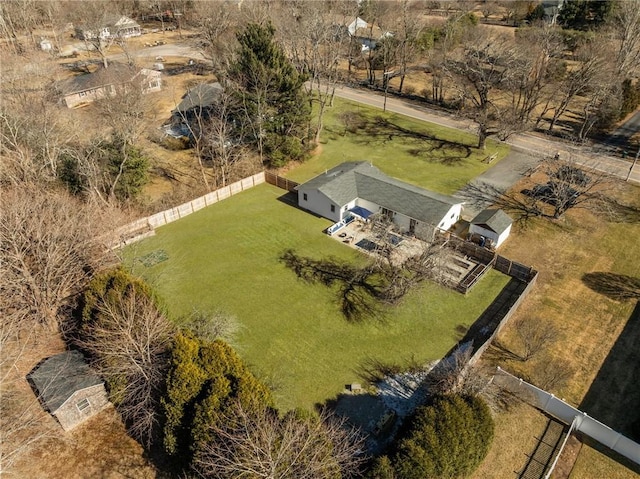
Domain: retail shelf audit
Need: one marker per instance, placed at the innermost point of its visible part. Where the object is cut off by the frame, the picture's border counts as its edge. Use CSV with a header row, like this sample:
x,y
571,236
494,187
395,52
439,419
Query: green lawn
x,y
292,335
434,157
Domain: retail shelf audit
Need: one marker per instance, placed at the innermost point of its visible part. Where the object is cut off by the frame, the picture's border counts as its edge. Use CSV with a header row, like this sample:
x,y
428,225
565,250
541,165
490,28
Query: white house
x,y
113,26
104,82
493,224
366,34
360,189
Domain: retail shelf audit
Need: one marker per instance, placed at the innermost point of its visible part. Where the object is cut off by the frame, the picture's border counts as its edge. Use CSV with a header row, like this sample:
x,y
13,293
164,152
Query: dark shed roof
x,y
351,180
57,378
495,220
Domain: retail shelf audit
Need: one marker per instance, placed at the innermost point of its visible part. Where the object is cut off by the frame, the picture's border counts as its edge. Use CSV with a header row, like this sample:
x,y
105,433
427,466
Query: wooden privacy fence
x,y
500,263
566,413
144,227
280,182
502,316
514,269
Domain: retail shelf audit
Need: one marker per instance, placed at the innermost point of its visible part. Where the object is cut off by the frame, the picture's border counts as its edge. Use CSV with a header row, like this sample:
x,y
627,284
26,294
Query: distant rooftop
x,y
200,96
115,74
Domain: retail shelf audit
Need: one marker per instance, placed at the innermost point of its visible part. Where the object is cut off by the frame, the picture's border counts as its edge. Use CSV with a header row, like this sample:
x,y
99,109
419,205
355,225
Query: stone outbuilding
x,y
68,388
492,224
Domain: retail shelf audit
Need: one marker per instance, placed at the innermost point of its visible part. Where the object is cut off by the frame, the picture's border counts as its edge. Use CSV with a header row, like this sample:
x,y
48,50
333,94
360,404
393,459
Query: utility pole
x,y
385,78
633,164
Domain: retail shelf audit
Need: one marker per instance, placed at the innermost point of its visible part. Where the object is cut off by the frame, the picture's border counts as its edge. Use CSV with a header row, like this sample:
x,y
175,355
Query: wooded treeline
x,y
66,180
280,61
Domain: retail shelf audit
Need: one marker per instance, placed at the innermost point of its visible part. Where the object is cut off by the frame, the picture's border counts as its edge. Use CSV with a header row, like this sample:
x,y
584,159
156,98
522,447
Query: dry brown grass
x,y
590,323
99,447
594,464
516,436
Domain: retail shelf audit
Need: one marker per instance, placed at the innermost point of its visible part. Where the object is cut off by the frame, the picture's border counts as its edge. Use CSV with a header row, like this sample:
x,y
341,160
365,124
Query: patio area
x,y
357,234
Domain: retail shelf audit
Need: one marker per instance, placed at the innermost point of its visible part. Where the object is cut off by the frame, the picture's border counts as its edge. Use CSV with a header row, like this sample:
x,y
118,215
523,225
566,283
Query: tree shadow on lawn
x,y
615,211
615,286
614,395
380,130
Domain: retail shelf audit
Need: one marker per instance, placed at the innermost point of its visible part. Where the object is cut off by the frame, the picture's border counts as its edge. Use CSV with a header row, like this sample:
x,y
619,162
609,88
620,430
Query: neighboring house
x,y
493,224
198,104
104,82
68,388
365,33
114,26
199,100
360,189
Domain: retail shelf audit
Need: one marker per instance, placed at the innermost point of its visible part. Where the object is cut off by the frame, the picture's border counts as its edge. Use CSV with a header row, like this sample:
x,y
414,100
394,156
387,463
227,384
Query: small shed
x,y
493,224
68,388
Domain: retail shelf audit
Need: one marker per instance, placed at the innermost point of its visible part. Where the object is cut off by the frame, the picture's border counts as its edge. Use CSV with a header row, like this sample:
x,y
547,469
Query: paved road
x,y
621,136
526,142
531,143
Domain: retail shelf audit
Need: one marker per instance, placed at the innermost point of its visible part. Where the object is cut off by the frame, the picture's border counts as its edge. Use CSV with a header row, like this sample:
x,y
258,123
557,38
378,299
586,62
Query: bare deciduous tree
x,y
122,109
21,421
50,247
262,445
626,31
129,340
534,335
316,46
212,325
455,375
485,65
34,133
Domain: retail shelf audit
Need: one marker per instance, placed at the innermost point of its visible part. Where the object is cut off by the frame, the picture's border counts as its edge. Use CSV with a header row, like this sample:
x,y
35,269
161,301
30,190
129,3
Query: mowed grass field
x,y
292,334
428,155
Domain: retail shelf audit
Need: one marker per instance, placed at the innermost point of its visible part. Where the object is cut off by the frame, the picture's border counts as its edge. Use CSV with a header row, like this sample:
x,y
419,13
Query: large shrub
x,y
448,438
205,379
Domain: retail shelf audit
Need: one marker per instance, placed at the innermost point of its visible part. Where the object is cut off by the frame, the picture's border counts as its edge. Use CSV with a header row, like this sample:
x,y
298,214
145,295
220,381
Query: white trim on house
x,y
414,210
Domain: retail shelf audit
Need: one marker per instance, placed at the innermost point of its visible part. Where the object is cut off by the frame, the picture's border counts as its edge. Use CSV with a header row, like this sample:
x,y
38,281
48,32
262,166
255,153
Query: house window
x,y
304,196
82,405
333,208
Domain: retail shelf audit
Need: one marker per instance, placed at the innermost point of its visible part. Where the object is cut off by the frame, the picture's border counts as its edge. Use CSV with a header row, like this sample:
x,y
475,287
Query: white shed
x,y
493,224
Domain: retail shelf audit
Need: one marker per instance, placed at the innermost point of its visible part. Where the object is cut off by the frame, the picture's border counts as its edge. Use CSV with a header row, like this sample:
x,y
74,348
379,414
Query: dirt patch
x,y
567,458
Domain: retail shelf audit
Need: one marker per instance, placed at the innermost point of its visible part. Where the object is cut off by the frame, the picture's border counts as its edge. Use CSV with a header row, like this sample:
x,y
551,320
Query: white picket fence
x,y
144,227
566,413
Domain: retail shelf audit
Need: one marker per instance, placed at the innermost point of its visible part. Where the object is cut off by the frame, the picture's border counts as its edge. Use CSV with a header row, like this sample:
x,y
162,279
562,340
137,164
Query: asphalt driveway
x,y
502,176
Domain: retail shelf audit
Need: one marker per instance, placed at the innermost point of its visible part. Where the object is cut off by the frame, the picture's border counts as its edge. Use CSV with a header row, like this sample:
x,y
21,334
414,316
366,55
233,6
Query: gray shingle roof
x,y
202,96
348,181
116,74
58,377
495,220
